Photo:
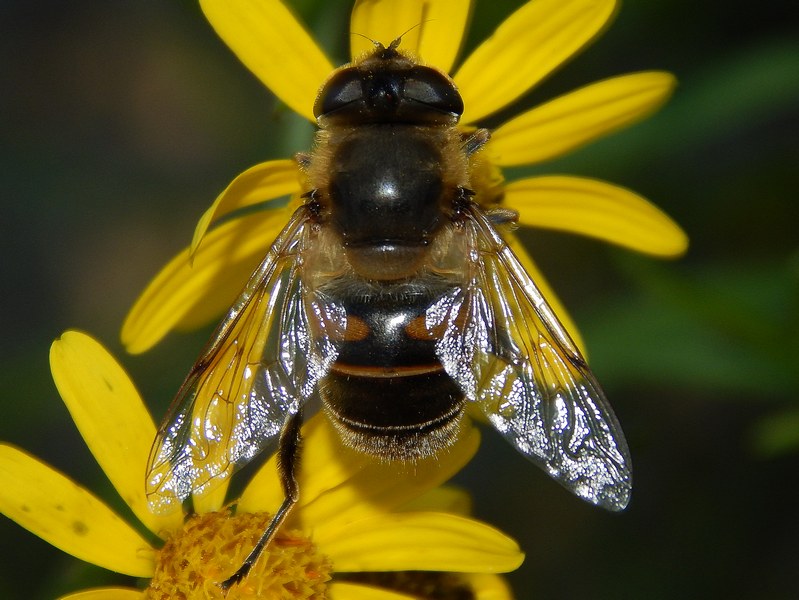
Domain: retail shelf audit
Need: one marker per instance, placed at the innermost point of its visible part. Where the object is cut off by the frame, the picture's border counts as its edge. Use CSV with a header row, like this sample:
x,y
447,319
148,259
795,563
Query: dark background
x,y
120,123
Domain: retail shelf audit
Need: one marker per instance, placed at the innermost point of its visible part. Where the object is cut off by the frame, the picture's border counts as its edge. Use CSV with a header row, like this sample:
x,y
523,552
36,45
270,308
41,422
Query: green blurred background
x,y
120,123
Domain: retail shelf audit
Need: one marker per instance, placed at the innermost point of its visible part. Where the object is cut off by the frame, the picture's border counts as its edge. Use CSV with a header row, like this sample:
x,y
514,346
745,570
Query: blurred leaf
x,y
734,91
750,86
728,328
776,435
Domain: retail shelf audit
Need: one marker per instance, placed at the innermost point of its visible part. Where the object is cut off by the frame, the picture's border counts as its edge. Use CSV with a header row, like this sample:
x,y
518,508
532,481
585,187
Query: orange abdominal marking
x,y
386,372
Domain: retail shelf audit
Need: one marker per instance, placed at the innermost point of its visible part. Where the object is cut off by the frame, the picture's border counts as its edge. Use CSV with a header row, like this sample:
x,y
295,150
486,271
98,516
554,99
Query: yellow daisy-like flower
x,y
354,516
203,280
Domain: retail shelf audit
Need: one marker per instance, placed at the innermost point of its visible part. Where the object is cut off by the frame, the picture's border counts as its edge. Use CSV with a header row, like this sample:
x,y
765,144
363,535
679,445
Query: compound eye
x,y
433,89
342,89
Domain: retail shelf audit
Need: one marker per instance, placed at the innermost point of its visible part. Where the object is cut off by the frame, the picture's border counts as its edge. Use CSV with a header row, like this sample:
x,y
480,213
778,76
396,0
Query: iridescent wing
x,y
261,365
509,353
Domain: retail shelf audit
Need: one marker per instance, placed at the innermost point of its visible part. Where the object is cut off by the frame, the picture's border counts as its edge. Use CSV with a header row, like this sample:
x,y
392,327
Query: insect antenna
x,y
396,41
375,43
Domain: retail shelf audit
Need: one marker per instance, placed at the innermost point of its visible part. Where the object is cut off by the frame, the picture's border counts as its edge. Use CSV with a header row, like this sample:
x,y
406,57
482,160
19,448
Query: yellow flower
x,y
353,516
203,280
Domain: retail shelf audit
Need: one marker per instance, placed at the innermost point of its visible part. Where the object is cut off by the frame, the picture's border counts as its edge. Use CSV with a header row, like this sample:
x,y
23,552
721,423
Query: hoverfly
x,y
391,295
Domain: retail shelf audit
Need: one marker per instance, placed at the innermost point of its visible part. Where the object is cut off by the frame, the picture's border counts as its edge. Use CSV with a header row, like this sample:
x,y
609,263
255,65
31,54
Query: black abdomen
x,y
387,391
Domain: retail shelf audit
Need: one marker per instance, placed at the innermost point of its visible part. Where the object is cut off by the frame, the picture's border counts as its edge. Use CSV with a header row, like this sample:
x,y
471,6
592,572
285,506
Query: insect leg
x,y
288,458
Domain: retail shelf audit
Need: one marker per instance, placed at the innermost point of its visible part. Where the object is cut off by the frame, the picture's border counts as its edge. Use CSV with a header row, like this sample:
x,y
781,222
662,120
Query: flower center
x,y
210,547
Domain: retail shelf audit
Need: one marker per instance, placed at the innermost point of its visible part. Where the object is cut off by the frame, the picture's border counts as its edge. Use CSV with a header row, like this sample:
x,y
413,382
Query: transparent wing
x,y
508,352
261,365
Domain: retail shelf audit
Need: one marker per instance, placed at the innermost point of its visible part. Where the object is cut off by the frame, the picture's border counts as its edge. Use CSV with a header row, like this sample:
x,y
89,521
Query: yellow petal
x,y
110,416
264,492
525,48
546,290
211,500
445,498
574,119
106,594
418,542
597,209
325,464
487,586
262,182
65,515
270,42
185,295
341,590
225,270
379,486
338,484
386,486
432,30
